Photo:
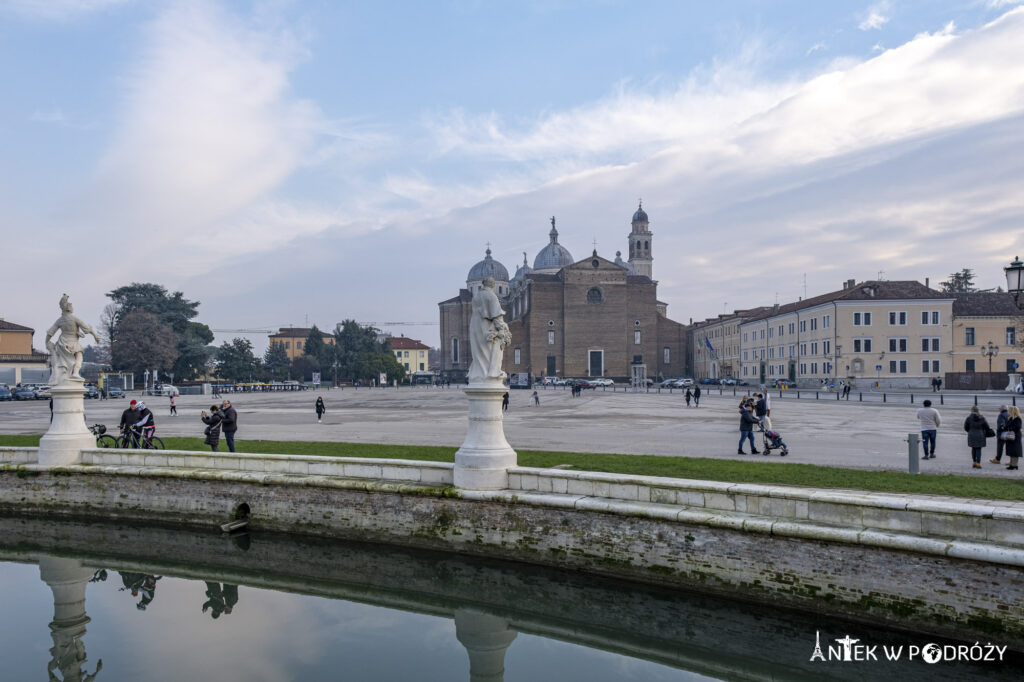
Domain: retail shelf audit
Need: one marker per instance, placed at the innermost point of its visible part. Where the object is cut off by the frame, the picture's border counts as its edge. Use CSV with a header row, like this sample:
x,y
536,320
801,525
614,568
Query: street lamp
x,y
989,351
1015,278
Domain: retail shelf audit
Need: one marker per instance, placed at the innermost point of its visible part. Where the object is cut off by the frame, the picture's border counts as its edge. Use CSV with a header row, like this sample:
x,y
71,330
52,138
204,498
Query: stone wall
x,y
929,564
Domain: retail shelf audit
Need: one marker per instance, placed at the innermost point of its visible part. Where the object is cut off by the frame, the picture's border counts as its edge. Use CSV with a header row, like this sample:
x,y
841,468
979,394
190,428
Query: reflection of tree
x,y
137,583
221,598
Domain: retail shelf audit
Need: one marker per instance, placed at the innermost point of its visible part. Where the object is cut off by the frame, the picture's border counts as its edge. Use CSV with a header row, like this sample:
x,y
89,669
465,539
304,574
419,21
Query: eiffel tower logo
x,y
817,655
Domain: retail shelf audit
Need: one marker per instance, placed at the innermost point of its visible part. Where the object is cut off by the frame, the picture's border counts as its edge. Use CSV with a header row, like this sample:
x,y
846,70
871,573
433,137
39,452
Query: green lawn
x,y
750,471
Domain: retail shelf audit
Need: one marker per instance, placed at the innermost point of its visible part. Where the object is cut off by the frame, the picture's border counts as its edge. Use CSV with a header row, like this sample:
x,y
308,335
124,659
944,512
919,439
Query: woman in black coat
x,y
1013,447
320,409
212,422
978,433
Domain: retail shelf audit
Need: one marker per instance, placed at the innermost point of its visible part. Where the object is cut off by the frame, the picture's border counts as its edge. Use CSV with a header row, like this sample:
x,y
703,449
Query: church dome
x,y
640,215
488,267
522,271
554,256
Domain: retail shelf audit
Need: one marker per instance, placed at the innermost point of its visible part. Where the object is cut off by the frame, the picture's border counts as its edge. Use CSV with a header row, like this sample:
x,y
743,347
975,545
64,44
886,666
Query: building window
x,y
930,344
780,330
636,338
935,366
969,366
421,366
595,296
897,318
898,345
745,358
287,344
862,319
792,350
516,354
803,349
930,317
862,345
803,326
1011,336
792,326
744,337
892,367
924,366
667,355
406,353
551,338
903,366
826,321
814,323
826,347
803,368
814,368
638,359
968,336
814,347
455,350
762,334
771,332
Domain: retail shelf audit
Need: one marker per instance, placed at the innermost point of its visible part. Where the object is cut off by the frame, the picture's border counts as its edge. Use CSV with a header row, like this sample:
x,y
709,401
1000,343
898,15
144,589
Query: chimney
x,y
926,283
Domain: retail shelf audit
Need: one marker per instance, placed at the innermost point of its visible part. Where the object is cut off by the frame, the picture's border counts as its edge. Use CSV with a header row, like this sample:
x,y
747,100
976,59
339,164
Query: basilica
x,y
573,318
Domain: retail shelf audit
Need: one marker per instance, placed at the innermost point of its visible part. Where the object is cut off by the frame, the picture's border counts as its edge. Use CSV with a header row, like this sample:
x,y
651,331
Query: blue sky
x,y
292,161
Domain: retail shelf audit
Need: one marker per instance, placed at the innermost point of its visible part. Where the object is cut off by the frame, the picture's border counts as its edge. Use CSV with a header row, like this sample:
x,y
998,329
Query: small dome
x,y
554,256
640,215
488,267
522,271
623,264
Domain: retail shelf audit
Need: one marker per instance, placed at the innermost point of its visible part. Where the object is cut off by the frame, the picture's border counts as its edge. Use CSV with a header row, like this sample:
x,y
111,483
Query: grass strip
x,y
700,468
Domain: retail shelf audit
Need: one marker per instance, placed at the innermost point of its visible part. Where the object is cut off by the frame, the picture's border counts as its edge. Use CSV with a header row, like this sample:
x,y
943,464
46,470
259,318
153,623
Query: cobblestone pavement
x,y
868,435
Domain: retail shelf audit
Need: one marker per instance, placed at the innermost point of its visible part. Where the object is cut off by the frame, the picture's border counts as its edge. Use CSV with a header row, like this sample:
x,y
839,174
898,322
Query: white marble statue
x,y
66,353
488,335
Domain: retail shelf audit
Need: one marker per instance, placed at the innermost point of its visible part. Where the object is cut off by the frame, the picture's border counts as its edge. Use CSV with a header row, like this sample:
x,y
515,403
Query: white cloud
x,y
875,17
49,116
58,9
820,45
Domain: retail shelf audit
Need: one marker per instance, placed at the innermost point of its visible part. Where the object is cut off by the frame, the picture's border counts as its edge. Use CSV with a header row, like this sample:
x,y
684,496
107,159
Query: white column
x,y
486,638
483,461
67,579
63,442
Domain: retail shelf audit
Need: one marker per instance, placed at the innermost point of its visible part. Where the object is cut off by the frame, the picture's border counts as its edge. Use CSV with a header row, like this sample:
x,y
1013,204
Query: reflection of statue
x,y
67,579
488,334
66,353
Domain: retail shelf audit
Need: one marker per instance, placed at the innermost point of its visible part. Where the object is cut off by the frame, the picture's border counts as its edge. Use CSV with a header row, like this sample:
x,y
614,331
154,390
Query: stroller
x,y
772,441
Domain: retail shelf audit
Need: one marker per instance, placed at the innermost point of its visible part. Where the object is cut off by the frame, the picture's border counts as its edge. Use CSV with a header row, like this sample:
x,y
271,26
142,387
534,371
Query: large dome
x,y
488,267
554,256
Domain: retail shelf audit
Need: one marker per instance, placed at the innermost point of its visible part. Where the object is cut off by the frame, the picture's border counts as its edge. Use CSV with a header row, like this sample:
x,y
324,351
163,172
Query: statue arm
x,y
84,329
50,332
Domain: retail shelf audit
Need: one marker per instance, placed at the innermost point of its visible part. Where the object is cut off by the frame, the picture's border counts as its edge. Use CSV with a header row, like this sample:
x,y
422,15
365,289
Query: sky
x,y
296,163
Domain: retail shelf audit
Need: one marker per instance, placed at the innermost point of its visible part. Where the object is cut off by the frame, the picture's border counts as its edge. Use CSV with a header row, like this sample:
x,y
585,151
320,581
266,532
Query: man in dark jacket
x,y
129,417
747,421
228,423
761,408
1004,416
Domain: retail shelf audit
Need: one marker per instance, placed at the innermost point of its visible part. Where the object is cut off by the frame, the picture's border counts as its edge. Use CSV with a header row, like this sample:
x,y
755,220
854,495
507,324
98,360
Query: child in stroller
x,y
773,441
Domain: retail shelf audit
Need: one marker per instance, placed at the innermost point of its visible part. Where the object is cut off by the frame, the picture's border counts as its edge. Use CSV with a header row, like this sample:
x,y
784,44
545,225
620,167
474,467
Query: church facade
x,y
574,318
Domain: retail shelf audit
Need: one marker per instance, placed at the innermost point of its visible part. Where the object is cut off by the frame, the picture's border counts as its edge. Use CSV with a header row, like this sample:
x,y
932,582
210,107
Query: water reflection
x,y
320,610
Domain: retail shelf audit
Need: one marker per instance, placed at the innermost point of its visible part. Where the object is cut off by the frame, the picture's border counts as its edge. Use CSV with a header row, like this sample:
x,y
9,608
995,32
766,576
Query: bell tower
x,y
641,244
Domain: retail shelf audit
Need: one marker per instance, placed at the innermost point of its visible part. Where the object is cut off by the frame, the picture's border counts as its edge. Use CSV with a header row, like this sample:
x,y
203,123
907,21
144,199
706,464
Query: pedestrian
x,y
536,398
229,423
930,421
747,421
1004,416
696,396
1013,445
938,384
320,409
761,408
504,402
688,396
174,405
51,409
212,430
978,433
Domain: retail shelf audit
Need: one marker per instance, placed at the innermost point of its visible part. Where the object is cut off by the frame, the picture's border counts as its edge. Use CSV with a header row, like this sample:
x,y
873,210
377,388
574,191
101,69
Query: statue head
x,y
488,282
65,304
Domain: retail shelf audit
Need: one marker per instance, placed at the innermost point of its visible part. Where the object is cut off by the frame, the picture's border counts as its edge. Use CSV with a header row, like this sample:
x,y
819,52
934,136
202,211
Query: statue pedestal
x,y
63,442
483,461
1014,382
486,639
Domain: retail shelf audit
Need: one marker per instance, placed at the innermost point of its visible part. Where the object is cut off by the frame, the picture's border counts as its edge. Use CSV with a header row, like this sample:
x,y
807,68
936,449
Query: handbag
x,y
989,432
206,431
1007,435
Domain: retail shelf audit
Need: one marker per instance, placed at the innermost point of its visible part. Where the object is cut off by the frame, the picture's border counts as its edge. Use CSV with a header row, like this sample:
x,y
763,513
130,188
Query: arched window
x,y
645,246
595,296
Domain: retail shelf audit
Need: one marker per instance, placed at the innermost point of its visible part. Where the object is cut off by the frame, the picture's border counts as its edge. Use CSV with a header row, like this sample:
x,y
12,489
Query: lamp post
x,y
1015,278
989,351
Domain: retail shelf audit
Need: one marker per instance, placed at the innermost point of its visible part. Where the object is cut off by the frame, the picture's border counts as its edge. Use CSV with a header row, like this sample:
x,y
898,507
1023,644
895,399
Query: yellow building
x,y
715,345
410,353
980,319
294,339
18,362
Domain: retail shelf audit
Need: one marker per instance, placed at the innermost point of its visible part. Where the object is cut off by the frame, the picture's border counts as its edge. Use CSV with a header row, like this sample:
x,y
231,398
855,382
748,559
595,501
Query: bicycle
x,y
103,439
133,438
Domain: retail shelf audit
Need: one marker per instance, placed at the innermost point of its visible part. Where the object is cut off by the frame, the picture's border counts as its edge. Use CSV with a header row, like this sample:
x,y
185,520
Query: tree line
x,y
145,327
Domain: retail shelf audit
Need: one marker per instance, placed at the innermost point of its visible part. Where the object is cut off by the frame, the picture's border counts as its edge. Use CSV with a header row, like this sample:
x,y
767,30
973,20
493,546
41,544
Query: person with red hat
x,y
129,417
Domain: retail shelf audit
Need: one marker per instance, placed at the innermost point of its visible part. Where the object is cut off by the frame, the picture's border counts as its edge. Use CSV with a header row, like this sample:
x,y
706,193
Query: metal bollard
x,y
914,463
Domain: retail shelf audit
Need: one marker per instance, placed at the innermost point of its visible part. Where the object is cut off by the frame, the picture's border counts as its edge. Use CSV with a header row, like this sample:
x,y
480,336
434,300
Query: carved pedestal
x,y
483,461
63,442
486,638
1013,383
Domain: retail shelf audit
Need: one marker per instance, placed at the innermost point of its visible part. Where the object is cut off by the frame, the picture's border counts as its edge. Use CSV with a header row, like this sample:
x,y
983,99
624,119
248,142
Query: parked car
x,y
684,383
115,392
604,382
24,393
91,391
5,393
164,390
728,381
43,393
547,381
669,383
